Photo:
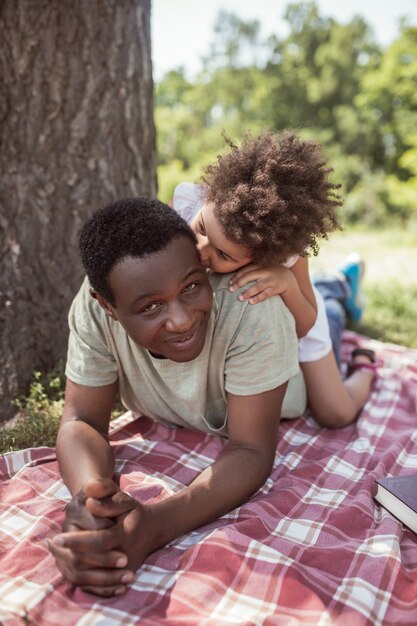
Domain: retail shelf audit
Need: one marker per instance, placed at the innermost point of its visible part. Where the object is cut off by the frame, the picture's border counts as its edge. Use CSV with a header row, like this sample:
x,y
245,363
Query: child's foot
x,y
353,269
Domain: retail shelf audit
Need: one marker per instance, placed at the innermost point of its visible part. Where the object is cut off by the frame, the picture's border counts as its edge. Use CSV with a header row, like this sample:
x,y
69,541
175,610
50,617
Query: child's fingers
x,y
250,293
256,293
260,297
244,279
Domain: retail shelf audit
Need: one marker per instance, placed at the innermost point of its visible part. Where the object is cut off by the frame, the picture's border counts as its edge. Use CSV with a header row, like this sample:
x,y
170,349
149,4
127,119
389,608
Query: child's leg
x,y
342,295
333,402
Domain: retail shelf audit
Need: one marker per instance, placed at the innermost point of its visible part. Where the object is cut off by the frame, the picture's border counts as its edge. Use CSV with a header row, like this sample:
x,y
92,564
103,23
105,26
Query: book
x,y
398,495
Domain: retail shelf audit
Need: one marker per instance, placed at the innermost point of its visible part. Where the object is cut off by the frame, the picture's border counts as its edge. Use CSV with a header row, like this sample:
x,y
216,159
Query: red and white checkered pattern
x,y
310,548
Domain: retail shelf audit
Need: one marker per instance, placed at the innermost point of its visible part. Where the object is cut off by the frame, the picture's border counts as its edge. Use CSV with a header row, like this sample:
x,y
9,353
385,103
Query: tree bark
x,y
77,132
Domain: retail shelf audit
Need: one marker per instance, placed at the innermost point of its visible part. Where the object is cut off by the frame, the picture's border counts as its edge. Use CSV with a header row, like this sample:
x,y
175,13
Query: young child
x,y
259,212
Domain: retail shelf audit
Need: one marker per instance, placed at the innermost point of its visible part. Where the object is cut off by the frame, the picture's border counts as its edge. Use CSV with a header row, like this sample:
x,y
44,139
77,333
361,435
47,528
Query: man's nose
x,y
180,318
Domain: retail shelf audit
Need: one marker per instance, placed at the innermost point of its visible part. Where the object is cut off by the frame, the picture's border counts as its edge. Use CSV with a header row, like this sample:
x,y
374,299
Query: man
x,y
180,348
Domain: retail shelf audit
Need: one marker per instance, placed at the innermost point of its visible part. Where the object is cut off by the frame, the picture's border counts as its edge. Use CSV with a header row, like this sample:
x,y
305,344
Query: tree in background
x,y
76,113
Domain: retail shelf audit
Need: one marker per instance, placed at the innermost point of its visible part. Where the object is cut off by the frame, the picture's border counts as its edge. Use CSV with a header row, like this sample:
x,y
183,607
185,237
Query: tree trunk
x,y
77,132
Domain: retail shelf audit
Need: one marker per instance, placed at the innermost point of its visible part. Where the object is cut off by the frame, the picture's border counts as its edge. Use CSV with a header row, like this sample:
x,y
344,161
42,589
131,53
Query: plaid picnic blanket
x,y
310,548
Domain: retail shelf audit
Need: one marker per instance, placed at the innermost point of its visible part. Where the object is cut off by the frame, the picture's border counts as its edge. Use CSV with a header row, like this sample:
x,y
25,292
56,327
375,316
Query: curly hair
x,y
131,227
273,195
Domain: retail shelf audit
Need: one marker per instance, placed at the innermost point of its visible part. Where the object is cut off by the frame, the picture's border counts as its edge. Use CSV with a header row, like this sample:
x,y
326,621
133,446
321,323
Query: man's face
x,y
163,301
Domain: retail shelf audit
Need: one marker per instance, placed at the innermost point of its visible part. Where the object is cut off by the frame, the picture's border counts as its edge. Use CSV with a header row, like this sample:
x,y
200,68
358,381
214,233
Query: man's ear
x,y
105,305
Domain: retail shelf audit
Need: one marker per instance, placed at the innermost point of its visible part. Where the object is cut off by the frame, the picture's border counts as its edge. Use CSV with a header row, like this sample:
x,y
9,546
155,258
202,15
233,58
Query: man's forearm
x,y
229,482
83,454
234,477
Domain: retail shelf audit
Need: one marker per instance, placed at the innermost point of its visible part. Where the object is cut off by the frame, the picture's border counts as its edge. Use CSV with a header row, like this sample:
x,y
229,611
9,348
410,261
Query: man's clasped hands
x,y
107,535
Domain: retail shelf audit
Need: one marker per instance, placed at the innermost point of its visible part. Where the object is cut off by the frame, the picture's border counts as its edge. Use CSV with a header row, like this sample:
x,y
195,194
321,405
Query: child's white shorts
x,y
317,343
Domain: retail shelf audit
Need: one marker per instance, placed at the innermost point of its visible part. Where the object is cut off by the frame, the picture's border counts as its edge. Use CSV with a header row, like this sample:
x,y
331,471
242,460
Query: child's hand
x,y
270,281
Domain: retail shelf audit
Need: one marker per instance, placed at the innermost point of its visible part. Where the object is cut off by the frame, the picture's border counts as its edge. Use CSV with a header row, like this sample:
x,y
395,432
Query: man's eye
x,y
151,308
191,287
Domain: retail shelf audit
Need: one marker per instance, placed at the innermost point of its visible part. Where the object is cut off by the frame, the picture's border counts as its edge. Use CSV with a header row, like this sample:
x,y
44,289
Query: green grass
x,y
391,316
390,287
38,414
389,283
37,417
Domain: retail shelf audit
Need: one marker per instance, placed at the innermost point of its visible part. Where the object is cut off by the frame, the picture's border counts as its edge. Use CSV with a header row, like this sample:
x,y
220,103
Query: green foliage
x,y
38,414
367,204
403,193
169,174
328,80
36,423
391,314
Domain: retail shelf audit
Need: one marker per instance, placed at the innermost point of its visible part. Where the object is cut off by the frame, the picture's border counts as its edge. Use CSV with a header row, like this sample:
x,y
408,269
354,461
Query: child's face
x,y
216,251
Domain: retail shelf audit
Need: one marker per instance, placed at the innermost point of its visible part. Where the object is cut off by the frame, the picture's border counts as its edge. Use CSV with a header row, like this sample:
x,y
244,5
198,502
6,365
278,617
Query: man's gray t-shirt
x,y
249,349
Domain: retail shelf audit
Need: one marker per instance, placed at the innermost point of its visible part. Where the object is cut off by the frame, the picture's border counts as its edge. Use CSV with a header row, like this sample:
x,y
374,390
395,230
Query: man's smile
x,y
186,340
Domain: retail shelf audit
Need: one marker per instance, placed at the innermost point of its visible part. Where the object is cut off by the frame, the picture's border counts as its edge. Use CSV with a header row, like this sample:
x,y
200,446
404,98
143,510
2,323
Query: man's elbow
x,y
72,424
259,463
261,471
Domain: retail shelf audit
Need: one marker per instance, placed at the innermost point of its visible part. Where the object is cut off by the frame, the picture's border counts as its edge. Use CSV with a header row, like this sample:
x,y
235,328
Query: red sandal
x,y
371,366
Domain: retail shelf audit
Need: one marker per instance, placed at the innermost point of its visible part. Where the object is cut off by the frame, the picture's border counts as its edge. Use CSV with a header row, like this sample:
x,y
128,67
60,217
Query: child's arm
x,y
292,284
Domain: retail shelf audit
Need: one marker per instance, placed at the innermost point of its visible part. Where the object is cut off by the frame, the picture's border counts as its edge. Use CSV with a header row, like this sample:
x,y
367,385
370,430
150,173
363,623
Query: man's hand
x,y
270,281
102,560
103,499
96,506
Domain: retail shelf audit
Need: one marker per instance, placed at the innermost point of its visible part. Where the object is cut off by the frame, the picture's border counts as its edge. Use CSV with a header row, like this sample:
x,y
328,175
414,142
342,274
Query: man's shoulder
x,y
83,300
235,318
86,313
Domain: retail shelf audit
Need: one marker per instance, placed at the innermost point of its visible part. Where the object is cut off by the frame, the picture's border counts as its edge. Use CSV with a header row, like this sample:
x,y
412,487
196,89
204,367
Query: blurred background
x,y
342,72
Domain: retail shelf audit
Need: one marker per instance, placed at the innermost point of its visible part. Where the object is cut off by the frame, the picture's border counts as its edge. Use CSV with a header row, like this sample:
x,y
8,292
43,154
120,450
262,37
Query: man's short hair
x,y
130,227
